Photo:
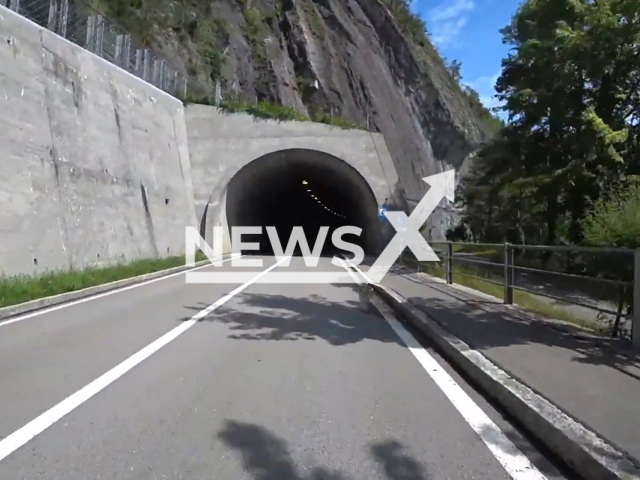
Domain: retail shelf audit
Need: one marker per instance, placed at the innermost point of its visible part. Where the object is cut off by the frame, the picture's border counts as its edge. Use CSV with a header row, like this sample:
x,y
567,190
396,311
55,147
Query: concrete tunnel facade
x,y
249,172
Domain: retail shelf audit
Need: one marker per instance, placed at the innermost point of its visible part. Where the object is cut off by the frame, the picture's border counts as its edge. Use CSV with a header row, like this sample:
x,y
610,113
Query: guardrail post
x,y
449,262
508,268
635,325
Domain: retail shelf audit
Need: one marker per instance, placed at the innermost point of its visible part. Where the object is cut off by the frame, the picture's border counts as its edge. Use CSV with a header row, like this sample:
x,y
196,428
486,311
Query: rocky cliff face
x,y
353,59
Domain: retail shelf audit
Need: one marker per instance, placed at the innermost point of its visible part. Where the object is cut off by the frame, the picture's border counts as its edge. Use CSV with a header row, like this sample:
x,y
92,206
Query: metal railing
x,y
79,23
511,261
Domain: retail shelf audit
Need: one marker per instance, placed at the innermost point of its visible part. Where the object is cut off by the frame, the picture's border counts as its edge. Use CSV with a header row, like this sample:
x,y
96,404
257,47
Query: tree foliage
x,y
615,219
571,89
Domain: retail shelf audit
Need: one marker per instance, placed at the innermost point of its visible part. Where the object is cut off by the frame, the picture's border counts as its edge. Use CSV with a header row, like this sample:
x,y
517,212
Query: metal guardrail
x,y
509,267
79,23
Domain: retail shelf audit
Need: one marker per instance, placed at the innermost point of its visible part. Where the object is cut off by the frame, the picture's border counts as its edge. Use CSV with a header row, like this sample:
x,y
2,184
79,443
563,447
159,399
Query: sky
x,y
468,31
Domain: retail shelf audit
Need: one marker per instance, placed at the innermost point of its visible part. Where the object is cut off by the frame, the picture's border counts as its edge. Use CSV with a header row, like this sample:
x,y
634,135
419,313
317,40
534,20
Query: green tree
x,y
455,70
570,88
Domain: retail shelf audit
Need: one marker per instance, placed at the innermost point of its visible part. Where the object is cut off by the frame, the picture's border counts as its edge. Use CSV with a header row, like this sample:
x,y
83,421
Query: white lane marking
x,y
517,465
351,272
100,295
23,435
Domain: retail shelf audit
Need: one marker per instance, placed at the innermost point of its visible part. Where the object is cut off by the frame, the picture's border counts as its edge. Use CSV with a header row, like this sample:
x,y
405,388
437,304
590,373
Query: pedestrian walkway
x,y
595,380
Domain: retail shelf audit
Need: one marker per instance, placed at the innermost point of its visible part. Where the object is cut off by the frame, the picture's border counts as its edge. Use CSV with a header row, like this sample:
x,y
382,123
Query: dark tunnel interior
x,y
303,188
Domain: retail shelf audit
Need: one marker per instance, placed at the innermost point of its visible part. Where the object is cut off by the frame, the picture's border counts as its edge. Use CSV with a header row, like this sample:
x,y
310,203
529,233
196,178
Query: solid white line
x,y
100,295
517,465
20,437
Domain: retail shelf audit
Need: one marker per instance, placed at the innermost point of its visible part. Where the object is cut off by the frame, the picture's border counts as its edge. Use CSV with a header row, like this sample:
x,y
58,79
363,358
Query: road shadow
x,y
485,324
287,318
397,464
265,456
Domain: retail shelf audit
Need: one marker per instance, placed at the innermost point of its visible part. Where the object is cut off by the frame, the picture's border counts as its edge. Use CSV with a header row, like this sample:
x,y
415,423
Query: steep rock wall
x,y
347,58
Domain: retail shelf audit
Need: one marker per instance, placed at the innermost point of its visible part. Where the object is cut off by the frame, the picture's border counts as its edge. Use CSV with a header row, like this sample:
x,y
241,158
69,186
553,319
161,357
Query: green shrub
x,y
615,220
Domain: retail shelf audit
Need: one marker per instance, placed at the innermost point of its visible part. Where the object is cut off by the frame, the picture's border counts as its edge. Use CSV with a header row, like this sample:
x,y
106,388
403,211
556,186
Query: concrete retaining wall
x,y
94,163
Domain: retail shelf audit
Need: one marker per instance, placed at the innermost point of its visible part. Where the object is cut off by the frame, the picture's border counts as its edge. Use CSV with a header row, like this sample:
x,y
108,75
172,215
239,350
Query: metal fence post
x,y
118,55
145,65
91,25
53,15
635,326
138,62
449,262
58,16
100,36
218,94
508,281
185,87
14,5
95,34
64,18
157,72
126,52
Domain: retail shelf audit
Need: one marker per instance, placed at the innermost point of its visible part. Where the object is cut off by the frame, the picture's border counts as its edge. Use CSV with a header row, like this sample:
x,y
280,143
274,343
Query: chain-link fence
x,y
79,23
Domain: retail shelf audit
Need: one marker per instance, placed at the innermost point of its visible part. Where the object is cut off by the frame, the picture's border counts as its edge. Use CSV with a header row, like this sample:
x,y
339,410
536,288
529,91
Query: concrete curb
x,y
39,304
586,453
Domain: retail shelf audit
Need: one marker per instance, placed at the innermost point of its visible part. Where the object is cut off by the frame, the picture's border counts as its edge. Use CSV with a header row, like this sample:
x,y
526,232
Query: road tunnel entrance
x,y
305,188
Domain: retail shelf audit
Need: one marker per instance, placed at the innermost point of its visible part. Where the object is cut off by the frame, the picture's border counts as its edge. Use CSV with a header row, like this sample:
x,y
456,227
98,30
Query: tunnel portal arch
x,y
302,187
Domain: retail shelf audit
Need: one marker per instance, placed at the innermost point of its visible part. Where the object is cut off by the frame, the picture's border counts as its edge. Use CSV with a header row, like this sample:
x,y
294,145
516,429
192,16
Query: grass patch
x,y
269,111
526,300
24,288
262,109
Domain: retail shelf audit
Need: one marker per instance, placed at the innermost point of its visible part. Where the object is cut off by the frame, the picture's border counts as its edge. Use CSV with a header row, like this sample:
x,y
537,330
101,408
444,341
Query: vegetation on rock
x,y
267,110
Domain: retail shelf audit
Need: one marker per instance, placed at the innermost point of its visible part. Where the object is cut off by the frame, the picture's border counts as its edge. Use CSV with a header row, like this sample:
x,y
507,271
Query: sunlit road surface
x,y
261,381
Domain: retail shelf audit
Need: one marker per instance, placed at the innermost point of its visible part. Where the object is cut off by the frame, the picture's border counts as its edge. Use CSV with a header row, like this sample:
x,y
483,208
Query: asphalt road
x,y
268,382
